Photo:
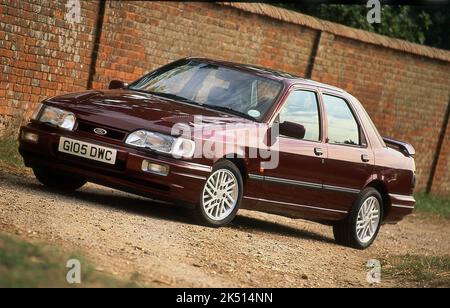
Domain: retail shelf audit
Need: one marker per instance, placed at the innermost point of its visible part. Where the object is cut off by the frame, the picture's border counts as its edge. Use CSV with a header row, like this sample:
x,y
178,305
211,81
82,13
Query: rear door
x,y
350,161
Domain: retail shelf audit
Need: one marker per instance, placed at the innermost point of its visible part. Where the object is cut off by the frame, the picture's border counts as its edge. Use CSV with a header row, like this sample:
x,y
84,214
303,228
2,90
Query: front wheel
x,y
361,227
58,180
221,195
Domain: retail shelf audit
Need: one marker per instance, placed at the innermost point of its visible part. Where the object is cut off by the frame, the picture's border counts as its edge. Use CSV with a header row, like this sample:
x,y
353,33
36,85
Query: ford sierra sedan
x,y
219,136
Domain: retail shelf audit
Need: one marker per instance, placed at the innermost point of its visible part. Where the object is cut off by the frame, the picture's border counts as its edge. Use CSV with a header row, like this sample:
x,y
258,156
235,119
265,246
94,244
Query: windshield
x,y
213,86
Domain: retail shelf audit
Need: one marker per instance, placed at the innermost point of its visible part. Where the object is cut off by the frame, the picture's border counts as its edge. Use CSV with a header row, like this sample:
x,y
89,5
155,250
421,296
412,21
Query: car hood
x,y
130,110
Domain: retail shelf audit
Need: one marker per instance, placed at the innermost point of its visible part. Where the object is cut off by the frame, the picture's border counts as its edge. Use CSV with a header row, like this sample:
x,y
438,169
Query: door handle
x,y
365,158
318,151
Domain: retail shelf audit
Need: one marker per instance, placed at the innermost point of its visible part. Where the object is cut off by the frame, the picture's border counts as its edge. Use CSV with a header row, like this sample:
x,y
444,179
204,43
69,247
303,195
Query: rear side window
x,y
342,125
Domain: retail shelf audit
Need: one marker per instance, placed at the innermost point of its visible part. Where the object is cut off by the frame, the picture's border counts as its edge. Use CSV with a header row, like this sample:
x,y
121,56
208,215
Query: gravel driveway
x,y
124,234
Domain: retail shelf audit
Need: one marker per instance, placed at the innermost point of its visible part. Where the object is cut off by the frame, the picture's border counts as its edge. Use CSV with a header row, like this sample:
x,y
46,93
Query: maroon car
x,y
219,136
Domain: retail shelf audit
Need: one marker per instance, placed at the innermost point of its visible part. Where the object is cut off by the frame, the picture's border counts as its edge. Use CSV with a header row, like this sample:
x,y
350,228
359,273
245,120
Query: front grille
x,y
111,133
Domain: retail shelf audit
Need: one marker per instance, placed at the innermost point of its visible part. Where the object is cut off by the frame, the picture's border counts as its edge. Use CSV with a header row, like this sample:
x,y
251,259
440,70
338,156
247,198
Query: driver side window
x,y
302,108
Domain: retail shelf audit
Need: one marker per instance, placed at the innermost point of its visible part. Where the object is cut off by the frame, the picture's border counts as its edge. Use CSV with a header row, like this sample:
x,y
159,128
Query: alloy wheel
x,y
368,219
220,194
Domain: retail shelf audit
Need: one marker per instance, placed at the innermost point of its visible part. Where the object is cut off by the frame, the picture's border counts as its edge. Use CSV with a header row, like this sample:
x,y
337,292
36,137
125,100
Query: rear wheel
x,y
58,180
361,226
221,195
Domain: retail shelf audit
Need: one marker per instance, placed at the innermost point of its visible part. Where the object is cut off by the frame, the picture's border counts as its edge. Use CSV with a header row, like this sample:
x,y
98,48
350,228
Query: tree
x,y
419,24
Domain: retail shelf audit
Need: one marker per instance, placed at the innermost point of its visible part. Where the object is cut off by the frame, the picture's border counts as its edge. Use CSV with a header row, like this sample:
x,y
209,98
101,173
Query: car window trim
x,y
296,139
371,124
355,116
319,110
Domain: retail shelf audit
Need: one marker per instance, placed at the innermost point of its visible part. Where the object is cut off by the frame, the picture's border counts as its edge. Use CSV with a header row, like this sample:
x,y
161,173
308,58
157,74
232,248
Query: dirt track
x,y
125,234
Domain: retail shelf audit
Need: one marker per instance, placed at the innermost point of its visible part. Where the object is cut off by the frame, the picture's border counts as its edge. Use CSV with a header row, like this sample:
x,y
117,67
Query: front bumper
x,y
183,183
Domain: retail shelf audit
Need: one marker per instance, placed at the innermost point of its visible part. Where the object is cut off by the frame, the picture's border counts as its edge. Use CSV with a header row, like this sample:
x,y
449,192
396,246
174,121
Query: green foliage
x,y
9,151
25,265
422,271
433,204
418,24
438,34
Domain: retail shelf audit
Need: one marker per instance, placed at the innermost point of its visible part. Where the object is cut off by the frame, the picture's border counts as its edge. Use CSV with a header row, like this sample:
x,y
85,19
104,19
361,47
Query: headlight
x,y
154,141
178,147
58,117
37,111
183,148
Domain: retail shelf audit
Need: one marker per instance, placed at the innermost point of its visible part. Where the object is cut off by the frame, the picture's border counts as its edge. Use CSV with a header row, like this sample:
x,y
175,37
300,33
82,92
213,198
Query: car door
x,y
296,182
350,160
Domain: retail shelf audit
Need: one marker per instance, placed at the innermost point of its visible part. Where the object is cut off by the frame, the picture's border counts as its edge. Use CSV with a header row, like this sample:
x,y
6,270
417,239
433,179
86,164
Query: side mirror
x,y
117,84
292,129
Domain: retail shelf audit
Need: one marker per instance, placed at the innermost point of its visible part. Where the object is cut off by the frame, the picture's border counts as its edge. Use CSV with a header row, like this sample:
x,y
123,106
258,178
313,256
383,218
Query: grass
x,y
23,264
433,204
9,153
419,270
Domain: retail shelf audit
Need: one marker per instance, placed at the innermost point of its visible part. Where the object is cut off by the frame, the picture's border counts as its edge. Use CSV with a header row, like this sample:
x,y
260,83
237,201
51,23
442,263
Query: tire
x,y
359,230
58,180
220,210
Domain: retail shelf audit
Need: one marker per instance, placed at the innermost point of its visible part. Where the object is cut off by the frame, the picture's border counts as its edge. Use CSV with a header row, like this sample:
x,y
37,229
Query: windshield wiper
x,y
186,100
168,95
229,110
174,96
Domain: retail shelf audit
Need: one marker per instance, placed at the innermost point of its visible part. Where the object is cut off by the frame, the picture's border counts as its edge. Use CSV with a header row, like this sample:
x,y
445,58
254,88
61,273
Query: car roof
x,y
269,73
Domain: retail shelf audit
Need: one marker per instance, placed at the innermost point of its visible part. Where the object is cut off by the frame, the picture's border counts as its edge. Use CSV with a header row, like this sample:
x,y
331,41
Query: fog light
x,y
30,137
155,168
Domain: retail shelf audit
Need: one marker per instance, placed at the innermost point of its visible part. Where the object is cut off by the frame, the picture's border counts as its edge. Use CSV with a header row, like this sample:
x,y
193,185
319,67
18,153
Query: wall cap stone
x,y
339,30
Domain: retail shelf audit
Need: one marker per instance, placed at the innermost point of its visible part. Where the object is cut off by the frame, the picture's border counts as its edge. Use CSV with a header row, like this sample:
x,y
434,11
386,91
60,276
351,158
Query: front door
x,y
295,184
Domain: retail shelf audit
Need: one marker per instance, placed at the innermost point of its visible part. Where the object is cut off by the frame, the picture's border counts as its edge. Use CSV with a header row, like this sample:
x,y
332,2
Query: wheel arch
x,y
239,162
382,189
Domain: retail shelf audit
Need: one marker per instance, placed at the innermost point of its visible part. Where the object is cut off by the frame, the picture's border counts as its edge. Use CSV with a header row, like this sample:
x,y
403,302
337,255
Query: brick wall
x,y
41,54
441,179
405,87
138,37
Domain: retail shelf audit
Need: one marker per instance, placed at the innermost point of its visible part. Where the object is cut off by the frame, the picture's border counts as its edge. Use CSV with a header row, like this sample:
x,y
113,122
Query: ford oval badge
x,y
100,131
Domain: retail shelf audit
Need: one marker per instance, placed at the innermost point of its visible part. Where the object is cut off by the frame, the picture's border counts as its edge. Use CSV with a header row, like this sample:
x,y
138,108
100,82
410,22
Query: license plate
x,y
87,150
